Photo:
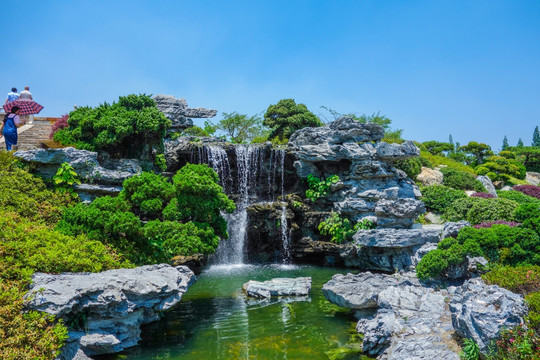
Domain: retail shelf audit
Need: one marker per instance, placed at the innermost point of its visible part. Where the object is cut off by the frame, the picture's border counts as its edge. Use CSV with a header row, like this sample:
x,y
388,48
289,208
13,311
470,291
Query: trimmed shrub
x,y
148,194
439,197
483,195
458,210
449,252
530,190
462,180
519,279
412,166
492,210
500,167
527,211
533,224
517,196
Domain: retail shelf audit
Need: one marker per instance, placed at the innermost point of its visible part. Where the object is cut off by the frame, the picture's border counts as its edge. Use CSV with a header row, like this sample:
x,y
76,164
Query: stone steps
x,y
31,136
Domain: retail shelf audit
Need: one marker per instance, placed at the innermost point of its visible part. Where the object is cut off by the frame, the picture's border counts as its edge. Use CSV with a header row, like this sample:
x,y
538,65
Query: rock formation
x,y
278,287
176,110
108,307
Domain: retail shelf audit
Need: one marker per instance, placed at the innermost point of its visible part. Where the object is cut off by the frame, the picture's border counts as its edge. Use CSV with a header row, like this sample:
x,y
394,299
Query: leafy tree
x,y
478,151
520,143
130,128
285,117
437,147
240,128
529,156
147,193
505,143
536,137
499,168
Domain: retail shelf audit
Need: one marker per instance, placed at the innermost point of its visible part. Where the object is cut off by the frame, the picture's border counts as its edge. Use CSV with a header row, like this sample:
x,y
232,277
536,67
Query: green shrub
x,y
520,279
148,193
517,196
181,239
129,128
195,131
412,166
449,252
437,160
462,180
64,179
491,210
458,209
518,343
533,224
319,188
533,319
439,197
340,229
527,211
500,167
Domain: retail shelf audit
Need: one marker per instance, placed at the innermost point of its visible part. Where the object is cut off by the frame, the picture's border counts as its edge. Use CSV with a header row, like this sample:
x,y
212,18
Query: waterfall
x,y
254,172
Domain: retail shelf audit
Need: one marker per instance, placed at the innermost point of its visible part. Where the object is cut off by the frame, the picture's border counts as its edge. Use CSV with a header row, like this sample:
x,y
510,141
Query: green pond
x,y
215,320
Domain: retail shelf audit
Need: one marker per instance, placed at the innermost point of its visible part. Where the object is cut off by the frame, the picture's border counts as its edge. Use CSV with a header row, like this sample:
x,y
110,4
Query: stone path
x,y
32,135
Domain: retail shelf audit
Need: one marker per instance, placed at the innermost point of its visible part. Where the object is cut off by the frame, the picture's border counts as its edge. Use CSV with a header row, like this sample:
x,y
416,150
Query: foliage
x,y
176,238
483,195
533,301
240,128
530,190
340,229
520,143
448,253
319,188
489,224
148,194
59,124
517,196
519,279
477,210
439,197
160,162
462,180
505,143
110,221
285,117
518,343
412,166
507,154
65,178
437,147
129,128
27,195
478,152
529,156
437,160
527,211
195,131
499,168
200,198
536,137
471,351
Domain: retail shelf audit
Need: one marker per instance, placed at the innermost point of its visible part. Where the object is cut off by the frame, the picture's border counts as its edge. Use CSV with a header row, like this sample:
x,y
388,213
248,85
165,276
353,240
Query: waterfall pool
x,y
215,320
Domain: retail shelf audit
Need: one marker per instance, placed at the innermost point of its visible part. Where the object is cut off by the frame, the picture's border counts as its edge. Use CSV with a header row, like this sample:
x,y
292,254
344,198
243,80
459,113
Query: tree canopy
x,y
285,117
240,128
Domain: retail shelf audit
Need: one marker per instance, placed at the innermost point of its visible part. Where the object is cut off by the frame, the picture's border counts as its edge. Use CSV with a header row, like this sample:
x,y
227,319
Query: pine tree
x,y
505,143
520,143
536,137
451,140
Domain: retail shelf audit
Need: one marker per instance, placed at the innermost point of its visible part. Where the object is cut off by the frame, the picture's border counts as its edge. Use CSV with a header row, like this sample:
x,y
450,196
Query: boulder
x,y
451,229
278,287
176,110
486,181
88,192
195,262
408,321
114,303
481,311
532,178
429,177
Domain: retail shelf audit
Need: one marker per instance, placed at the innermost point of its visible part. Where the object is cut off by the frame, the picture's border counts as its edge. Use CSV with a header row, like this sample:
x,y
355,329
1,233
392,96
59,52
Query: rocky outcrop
x,y
532,178
486,181
407,320
109,307
176,110
389,249
195,262
481,311
451,229
369,184
278,287
429,177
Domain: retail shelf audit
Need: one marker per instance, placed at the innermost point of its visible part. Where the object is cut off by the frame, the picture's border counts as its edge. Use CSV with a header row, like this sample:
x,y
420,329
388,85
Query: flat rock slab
x,y
300,286
114,303
396,238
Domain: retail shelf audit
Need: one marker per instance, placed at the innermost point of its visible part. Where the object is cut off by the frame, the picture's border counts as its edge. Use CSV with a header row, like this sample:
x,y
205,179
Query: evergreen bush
x,y
439,197
517,196
462,180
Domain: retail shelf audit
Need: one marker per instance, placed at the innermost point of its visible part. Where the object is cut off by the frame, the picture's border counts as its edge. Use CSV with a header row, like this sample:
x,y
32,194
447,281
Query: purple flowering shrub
x,y
530,190
482,195
489,224
61,123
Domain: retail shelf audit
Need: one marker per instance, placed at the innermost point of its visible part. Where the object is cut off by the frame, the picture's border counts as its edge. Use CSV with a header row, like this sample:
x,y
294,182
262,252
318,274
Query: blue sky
x,y
466,68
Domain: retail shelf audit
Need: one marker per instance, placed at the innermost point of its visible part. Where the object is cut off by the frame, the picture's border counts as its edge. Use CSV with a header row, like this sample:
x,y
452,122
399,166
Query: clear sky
x,y
466,68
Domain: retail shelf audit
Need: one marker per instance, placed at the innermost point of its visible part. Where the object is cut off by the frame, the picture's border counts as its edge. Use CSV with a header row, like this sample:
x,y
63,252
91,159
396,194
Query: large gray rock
x,y
278,287
85,163
532,178
451,229
486,181
395,238
176,110
410,321
481,311
115,303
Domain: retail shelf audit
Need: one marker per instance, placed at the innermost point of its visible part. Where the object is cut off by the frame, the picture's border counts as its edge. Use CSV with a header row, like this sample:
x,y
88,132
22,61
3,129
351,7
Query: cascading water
x,y
253,173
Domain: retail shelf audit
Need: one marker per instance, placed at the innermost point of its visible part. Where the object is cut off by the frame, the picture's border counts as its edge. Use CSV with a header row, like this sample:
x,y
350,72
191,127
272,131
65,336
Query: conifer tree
x,y
536,137
505,143
520,143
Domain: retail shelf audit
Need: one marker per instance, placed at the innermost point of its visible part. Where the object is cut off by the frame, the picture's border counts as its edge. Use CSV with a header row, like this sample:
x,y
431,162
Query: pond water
x,y
215,320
